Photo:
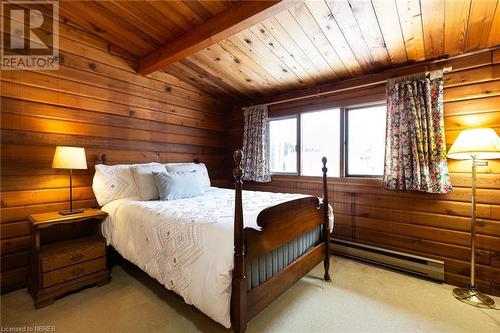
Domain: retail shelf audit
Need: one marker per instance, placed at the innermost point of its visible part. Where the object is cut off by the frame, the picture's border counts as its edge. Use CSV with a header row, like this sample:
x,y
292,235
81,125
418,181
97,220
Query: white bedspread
x,y
187,244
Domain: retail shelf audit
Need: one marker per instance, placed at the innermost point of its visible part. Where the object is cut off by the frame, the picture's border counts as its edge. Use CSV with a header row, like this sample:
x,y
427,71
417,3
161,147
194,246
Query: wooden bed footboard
x,y
279,224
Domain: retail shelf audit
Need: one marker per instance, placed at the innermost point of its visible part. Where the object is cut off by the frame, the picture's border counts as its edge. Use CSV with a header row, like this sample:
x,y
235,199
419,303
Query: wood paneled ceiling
x,y
141,27
311,43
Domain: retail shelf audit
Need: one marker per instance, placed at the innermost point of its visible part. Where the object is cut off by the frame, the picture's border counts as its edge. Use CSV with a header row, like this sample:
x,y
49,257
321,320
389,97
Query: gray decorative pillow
x,y
200,168
177,185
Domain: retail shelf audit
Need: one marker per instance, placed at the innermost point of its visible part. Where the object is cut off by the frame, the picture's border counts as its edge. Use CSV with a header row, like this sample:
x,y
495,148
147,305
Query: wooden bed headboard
x,y
103,159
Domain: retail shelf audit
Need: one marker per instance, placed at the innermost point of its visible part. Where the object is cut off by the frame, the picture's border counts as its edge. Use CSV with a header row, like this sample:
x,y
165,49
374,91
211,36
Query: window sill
x,y
368,181
294,174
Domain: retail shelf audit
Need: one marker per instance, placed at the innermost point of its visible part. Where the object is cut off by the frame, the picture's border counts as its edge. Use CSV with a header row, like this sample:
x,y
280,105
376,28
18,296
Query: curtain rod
x,y
351,83
374,83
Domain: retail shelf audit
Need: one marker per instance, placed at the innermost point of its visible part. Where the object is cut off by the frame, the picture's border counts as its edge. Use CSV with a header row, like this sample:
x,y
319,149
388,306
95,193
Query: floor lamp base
x,y
472,296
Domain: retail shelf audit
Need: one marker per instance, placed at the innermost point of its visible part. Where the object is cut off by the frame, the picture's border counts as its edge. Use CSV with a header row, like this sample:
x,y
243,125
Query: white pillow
x,y
143,176
113,182
200,168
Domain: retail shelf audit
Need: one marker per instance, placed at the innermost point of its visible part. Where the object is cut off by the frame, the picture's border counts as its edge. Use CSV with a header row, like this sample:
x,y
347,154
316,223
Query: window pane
x,y
282,144
366,141
320,137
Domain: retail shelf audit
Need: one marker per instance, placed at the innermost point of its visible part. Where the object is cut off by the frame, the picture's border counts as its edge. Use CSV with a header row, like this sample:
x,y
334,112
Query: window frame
x,y
343,132
346,140
299,129
297,143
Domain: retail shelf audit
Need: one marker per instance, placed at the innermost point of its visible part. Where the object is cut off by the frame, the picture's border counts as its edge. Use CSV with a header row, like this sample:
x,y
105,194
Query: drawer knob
x,y
78,271
77,257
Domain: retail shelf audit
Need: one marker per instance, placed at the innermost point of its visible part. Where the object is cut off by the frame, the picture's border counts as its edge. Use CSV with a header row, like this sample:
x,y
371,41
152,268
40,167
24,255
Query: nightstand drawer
x,y
73,272
65,254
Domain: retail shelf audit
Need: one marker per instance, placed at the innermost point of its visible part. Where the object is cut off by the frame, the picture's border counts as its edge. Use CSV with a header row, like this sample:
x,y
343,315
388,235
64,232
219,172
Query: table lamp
x,y
69,158
475,144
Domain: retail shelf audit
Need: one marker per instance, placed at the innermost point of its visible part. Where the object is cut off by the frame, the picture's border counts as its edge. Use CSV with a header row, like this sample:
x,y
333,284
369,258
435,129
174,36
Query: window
x,y
282,145
352,139
320,133
365,141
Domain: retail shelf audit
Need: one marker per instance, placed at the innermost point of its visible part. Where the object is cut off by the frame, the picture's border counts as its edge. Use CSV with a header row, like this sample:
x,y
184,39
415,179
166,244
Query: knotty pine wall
x,y
430,225
95,100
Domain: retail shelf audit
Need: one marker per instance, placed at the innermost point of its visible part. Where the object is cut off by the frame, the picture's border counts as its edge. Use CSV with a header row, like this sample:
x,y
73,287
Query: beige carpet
x,y
361,298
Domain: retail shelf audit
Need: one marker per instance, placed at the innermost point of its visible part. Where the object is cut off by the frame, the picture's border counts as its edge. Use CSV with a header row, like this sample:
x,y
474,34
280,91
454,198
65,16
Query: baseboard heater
x,y
426,267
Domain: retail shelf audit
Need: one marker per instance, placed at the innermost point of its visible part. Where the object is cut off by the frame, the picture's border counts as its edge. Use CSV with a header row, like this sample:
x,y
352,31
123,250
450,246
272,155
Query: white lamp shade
x,y
483,143
69,158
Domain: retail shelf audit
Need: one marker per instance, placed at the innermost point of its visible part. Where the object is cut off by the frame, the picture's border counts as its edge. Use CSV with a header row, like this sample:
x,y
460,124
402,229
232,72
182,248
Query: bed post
x,y
101,159
238,297
326,222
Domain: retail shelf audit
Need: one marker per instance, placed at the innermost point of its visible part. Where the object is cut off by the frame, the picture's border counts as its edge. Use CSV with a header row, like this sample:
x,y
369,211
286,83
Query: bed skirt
x,y
265,267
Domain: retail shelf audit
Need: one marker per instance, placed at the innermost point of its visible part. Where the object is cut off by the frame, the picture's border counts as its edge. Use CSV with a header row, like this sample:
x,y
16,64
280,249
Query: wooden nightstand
x,y
68,252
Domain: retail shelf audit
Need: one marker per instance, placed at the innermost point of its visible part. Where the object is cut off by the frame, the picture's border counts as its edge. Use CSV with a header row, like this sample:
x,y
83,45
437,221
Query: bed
x,y
228,262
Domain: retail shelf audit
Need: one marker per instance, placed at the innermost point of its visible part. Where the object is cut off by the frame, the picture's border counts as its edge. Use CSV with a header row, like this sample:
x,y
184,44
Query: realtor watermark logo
x,y
30,40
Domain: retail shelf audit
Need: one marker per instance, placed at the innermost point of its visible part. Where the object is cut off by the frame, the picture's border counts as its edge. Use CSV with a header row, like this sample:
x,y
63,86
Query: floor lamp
x,y
70,158
476,145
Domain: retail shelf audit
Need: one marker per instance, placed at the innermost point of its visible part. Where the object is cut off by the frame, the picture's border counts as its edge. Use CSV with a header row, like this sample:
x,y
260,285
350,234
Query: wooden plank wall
x,y
435,226
95,100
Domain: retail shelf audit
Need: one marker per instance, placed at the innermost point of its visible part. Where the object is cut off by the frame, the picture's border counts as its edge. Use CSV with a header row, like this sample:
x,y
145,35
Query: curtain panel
x,y
415,152
255,144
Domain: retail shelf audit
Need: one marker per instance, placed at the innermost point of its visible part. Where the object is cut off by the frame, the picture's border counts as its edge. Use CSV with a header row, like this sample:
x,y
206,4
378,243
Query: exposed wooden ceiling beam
x,y
231,21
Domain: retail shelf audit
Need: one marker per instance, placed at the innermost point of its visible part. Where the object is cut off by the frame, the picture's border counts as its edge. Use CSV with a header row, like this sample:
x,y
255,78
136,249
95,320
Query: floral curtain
x,y
415,151
255,144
